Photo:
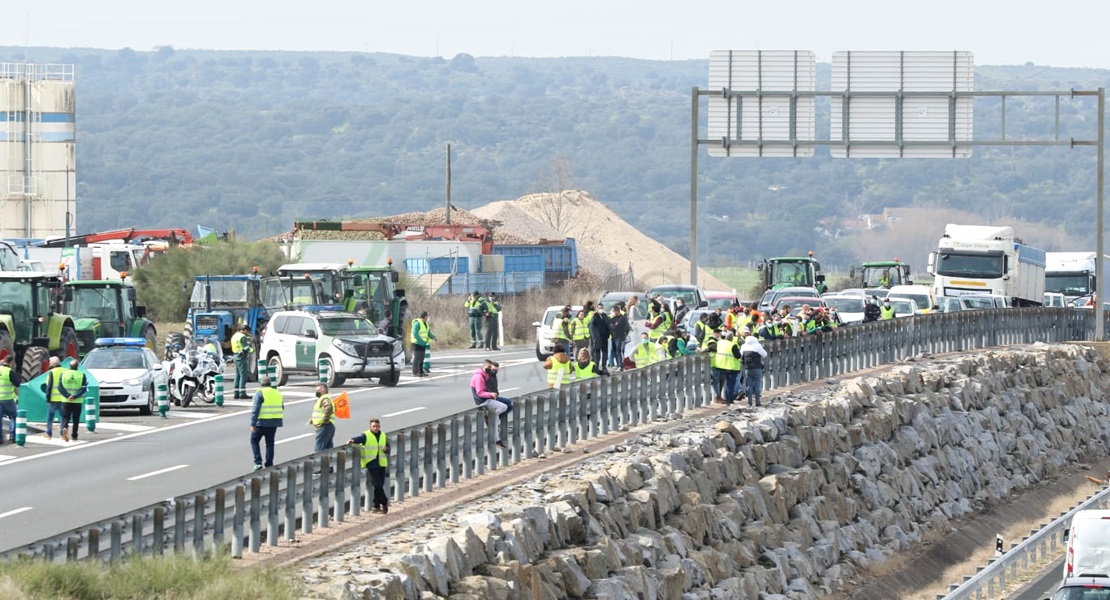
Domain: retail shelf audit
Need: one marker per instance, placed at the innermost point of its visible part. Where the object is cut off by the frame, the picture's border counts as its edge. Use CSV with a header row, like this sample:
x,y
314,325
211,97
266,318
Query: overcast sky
x,y
1064,33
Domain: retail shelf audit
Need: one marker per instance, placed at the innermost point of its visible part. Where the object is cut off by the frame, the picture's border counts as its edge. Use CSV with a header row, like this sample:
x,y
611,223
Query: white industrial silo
x,y
37,150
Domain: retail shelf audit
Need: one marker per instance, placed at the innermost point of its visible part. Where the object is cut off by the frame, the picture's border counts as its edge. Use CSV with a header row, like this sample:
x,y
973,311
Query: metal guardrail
x,y
275,502
994,578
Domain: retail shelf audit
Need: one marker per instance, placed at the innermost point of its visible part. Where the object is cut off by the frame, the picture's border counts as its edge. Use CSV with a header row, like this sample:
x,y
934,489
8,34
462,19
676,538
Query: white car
x,y
920,294
903,307
296,341
849,307
128,373
544,329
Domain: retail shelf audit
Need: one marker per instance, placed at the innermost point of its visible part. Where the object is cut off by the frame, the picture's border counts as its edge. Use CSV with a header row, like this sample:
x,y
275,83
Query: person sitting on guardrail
x,y
488,399
558,367
644,354
375,459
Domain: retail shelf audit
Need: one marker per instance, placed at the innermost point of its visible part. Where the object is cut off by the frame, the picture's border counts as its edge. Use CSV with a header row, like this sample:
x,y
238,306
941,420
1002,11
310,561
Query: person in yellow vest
x,y
580,328
267,413
561,329
644,354
558,367
9,391
710,348
323,418
375,459
53,396
72,385
493,325
887,311
421,338
728,361
241,348
584,367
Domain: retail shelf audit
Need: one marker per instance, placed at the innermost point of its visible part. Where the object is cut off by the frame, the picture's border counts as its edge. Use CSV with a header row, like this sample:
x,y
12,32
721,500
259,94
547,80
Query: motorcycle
x,y
192,374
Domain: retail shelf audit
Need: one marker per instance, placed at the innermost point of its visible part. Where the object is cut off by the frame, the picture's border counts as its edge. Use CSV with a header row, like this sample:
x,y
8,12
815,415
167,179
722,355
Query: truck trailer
x,y
982,259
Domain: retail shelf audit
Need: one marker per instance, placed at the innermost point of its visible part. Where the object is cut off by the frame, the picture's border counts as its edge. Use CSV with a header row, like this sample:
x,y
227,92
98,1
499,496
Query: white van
x,y
1088,544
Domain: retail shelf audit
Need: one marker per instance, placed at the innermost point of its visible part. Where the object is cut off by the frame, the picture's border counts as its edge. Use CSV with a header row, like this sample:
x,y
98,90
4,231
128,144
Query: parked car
x,y
947,304
725,300
295,341
1087,537
796,303
692,317
849,307
903,307
692,295
638,313
1083,588
920,294
770,298
1055,300
128,373
544,328
983,301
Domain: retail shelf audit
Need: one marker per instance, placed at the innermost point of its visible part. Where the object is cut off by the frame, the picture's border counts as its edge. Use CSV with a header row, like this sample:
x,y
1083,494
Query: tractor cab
x,y
32,328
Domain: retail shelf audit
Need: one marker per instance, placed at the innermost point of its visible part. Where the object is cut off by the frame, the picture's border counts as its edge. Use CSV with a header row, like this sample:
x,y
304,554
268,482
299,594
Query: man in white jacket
x,y
752,354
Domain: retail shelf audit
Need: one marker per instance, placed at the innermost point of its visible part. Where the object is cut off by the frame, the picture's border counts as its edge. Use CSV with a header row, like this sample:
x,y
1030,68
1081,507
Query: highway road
x,y
132,461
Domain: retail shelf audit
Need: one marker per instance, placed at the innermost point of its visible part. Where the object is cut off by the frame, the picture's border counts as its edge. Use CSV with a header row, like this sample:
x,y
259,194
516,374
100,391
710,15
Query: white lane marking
x,y
158,472
56,441
121,426
296,394
510,389
15,512
296,437
191,415
238,403
403,412
4,457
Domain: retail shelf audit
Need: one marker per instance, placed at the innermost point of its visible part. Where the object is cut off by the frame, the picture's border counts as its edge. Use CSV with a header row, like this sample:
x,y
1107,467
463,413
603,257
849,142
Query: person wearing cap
x,y
72,385
493,325
886,312
54,395
267,414
728,361
475,308
241,348
421,337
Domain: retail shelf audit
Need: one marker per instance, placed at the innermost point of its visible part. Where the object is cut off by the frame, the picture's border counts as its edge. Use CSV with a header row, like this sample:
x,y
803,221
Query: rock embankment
x,y
790,501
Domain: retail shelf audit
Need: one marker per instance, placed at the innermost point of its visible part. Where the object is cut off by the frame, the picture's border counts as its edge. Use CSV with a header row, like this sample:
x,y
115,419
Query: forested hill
x,y
253,140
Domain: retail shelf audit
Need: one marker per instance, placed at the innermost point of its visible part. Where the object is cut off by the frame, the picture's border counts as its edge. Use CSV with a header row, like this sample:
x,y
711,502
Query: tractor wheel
x,y
67,344
173,340
189,328
151,336
36,360
6,346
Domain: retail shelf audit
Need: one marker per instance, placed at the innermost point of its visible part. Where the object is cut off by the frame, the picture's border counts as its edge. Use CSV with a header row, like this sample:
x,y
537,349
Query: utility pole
x,y
448,200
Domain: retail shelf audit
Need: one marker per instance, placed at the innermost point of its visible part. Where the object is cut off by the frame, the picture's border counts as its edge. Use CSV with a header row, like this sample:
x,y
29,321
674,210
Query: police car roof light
x,y
121,341
320,308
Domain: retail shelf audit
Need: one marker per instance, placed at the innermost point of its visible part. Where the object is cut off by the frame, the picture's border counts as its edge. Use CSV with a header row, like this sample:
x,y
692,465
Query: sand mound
x,y
606,243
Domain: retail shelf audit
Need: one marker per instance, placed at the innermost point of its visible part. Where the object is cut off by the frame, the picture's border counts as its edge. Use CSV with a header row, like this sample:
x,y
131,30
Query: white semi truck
x,y
1073,274
982,259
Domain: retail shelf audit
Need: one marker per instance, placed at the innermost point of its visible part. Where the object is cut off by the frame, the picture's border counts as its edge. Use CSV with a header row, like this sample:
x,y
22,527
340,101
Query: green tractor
x,y
106,308
881,274
31,328
374,289
792,271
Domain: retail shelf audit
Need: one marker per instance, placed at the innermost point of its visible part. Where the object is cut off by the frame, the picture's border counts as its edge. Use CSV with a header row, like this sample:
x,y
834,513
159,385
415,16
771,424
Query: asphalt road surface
x,y
50,486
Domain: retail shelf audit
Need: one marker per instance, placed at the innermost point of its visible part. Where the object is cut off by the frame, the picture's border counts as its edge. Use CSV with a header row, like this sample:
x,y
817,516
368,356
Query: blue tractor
x,y
220,305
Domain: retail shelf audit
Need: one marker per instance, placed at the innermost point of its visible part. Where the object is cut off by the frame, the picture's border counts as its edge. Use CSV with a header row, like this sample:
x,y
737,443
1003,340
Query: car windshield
x,y
115,358
1093,591
223,291
687,296
977,301
902,307
724,303
845,304
347,326
922,300
98,302
983,266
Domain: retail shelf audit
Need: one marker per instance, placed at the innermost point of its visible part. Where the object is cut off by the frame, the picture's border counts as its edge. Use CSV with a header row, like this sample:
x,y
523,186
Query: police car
x,y
297,341
128,373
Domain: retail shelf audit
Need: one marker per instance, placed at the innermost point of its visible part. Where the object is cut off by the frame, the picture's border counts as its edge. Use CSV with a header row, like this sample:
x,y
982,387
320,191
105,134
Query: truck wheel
x,y
36,360
67,343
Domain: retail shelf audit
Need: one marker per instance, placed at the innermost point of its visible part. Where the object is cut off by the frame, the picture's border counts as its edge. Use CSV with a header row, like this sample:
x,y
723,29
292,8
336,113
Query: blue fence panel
x,y
416,266
449,264
561,258
523,263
